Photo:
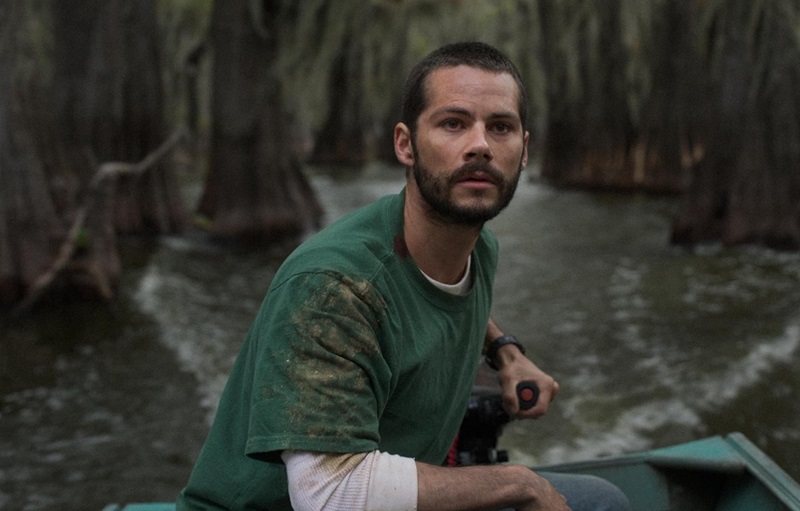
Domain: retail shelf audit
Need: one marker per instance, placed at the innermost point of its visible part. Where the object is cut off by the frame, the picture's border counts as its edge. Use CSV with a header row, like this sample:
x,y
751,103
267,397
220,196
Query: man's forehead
x,y
447,84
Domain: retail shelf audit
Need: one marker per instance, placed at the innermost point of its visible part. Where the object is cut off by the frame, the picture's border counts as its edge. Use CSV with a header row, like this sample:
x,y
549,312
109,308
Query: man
x,y
353,380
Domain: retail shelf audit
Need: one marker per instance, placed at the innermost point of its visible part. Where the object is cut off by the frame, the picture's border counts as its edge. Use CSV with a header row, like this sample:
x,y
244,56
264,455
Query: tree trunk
x,y
666,144
255,189
363,93
341,141
746,188
107,60
599,134
588,130
29,228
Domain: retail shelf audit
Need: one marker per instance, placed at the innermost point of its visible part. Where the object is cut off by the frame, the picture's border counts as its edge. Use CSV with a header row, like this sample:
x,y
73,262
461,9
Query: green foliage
x,y
82,239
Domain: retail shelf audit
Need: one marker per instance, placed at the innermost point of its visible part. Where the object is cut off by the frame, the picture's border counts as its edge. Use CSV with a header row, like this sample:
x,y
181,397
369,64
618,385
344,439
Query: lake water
x,y
651,344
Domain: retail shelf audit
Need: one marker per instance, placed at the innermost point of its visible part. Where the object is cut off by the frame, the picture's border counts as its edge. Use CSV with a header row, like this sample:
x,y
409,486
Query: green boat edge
x,y
714,474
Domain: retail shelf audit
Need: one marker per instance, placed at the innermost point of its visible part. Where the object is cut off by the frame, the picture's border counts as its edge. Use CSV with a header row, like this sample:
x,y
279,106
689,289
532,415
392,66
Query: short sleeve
x,y
320,373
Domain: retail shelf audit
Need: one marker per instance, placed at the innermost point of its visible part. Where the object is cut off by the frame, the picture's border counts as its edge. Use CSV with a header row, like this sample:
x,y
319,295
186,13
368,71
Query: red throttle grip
x,y
527,394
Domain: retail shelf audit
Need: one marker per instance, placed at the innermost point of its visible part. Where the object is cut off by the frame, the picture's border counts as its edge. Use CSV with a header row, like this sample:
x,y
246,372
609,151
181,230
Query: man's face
x,y
469,147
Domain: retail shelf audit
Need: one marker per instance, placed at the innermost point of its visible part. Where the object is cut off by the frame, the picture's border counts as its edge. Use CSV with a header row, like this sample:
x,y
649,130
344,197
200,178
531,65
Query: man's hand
x,y
515,368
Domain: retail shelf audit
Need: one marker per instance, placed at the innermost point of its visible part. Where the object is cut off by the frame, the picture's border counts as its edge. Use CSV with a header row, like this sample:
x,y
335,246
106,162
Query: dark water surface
x,y
652,345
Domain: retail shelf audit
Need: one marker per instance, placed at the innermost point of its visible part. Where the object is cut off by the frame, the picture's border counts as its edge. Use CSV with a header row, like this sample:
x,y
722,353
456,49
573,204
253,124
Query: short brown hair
x,y
472,54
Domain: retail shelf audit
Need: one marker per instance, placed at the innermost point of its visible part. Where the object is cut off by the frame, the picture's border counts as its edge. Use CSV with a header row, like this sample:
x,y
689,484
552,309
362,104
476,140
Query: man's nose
x,y
478,144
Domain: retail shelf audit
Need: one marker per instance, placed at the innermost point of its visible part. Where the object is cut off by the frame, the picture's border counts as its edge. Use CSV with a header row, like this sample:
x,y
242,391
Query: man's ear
x,y
525,141
402,145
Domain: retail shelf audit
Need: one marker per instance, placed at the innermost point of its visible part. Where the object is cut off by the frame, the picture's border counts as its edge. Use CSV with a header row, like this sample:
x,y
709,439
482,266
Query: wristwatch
x,y
491,352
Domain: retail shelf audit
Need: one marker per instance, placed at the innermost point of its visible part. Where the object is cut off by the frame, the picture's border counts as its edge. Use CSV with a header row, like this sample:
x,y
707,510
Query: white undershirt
x,y
375,481
461,287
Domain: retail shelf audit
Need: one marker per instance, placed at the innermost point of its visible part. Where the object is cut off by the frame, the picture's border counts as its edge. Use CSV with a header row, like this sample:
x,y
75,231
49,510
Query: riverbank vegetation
x,y
106,105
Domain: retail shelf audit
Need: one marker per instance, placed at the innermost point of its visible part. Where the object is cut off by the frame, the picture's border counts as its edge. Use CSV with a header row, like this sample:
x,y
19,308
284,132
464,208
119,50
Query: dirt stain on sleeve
x,y
335,338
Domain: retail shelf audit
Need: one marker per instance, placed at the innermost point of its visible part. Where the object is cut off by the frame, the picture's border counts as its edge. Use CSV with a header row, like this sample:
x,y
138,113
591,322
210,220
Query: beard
x,y
437,192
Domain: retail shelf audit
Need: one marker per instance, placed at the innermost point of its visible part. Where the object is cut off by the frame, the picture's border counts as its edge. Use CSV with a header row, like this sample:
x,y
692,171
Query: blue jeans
x,y
588,493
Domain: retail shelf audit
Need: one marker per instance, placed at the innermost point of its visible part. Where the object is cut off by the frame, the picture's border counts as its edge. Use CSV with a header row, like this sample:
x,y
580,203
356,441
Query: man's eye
x,y
451,124
502,127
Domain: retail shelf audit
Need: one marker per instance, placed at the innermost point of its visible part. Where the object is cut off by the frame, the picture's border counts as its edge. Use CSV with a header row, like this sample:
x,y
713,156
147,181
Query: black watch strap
x,y
491,353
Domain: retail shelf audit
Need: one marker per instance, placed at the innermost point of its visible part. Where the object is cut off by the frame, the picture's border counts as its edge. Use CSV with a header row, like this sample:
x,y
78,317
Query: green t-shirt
x,y
353,350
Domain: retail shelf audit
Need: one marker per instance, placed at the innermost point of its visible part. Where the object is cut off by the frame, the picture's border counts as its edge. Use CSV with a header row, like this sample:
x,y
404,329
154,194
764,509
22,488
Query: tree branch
x,y
106,171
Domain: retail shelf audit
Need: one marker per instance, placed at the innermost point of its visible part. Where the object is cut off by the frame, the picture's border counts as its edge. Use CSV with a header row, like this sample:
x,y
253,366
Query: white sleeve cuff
x,y
372,481
392,484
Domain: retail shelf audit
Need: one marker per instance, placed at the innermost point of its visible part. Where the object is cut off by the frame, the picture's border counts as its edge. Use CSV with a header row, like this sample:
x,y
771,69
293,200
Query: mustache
x,y
473,167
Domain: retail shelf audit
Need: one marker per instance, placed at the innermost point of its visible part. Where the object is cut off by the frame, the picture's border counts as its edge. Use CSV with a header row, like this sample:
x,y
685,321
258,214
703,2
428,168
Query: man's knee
x,y
588,493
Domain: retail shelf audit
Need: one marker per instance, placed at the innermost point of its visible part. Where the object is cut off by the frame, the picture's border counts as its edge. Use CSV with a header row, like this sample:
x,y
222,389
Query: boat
x,y
712,474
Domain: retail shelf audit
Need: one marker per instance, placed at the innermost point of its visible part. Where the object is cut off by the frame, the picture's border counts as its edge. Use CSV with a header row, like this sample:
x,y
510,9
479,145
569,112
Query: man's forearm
x,y
376,480
492,332
507,352
489,487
